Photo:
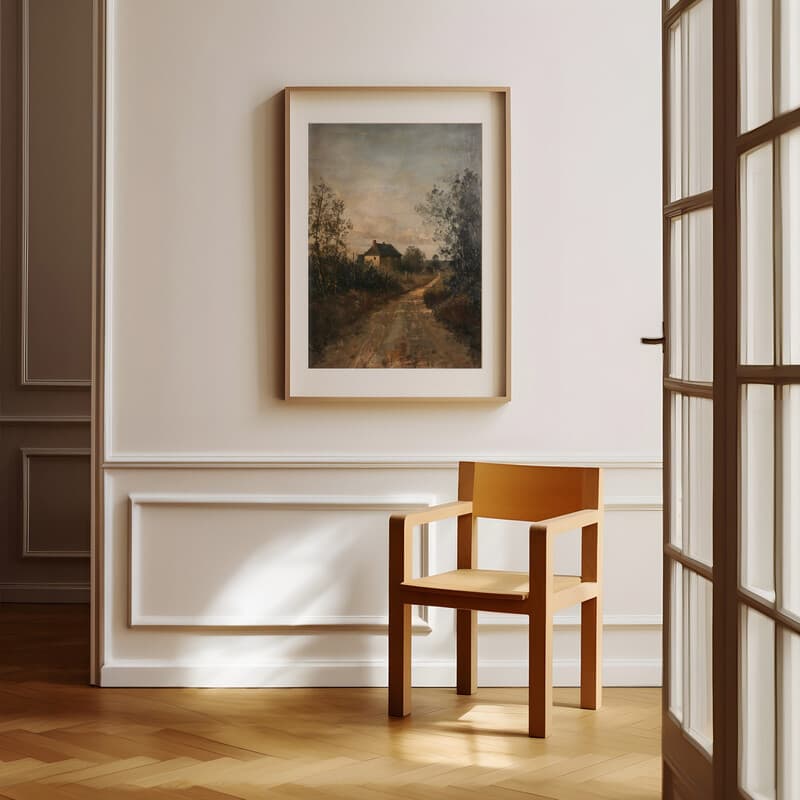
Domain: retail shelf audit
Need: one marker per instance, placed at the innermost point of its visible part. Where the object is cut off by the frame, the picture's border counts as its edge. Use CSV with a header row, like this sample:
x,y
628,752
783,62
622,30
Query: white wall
x,y
195,323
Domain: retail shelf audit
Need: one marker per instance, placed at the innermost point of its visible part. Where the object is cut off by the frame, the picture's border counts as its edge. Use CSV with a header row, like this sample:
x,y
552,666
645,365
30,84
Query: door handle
x,y
654,339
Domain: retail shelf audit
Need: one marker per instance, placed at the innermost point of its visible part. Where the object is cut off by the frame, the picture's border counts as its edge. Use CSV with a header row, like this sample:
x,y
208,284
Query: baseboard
x,y
616,672
44,593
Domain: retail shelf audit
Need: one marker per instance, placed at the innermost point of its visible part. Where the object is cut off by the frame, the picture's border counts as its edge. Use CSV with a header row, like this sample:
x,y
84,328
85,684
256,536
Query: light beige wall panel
x,y
269,572
195,214
197,220
56,191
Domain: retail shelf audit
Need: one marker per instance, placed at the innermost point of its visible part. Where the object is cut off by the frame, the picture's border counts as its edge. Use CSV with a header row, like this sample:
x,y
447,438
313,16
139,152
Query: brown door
x,y
731,399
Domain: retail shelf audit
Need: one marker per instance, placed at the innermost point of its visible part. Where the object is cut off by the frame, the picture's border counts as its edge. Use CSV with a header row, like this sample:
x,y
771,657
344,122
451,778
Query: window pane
x,y
755,63
757,764
699,87
700,722
676,641
791,500
758,482
789,56
789,723
690,102
790,240
691,296
700,478
701,300
676,262
676,112
678,433
757,334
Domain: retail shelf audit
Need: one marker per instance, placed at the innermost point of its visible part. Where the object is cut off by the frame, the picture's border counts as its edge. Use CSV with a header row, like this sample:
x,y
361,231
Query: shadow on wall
x,y
287,576
268,231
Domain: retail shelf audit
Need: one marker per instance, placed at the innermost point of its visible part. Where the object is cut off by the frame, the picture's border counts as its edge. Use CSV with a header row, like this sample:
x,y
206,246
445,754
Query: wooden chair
x,y
555,500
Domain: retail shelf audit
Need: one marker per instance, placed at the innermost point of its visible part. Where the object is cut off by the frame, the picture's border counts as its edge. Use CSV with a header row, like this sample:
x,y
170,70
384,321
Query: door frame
x,y
99,134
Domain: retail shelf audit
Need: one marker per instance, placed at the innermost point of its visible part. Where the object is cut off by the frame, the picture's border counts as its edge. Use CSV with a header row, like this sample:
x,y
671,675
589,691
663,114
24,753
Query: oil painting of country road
x,y
394,245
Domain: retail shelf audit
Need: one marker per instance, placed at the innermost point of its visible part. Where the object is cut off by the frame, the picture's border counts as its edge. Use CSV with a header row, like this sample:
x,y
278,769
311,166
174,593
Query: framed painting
x,y
397,243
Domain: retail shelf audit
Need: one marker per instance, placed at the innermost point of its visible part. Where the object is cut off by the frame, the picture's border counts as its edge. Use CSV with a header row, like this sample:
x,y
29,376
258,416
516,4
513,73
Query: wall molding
x,y
279,624
643,503
362,623
102,247
248,461
15,419
27,454
44,592
367,672
25,378
489,620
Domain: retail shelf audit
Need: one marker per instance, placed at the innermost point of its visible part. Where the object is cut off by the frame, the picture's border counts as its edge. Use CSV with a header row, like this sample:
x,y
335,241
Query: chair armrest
x,y
444,511
567,522
401,528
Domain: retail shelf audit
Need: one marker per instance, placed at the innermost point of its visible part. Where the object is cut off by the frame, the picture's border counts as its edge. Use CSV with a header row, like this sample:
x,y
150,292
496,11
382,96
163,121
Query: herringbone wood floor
x,y
62,740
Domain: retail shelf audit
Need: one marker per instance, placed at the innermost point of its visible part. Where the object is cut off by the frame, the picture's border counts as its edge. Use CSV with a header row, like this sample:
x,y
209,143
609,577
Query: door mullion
x,y
768,610
688,562
726,400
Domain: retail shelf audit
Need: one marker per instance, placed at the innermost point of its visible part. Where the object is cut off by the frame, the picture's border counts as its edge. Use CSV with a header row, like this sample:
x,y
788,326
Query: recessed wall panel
x,y
56,486
252,561
56,194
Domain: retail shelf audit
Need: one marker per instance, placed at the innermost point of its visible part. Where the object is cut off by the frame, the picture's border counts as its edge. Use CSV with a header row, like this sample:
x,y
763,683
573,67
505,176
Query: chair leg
x,y
540,673
591,653
399,659
466,652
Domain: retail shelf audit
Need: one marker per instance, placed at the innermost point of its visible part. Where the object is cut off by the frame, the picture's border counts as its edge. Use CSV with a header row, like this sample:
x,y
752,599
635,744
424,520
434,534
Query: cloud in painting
x,y
383,170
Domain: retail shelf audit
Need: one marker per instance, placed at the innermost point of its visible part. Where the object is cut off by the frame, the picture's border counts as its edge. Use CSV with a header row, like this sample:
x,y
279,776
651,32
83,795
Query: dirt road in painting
x,y
403,333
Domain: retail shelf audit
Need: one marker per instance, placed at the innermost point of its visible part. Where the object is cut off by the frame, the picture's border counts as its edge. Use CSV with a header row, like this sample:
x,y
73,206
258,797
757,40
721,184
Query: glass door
x,y
689,402
768,396
731,81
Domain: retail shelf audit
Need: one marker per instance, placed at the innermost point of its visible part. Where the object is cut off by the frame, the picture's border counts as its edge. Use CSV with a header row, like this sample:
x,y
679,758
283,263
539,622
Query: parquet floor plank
x,y
99,770
38,771
63,740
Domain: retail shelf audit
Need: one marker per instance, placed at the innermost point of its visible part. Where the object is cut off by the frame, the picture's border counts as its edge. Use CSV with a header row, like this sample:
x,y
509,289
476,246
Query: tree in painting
x,y
328,227
413,259
454,212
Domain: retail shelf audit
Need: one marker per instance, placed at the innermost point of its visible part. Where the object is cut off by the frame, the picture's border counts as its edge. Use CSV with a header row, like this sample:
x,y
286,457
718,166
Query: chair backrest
x,y
528,493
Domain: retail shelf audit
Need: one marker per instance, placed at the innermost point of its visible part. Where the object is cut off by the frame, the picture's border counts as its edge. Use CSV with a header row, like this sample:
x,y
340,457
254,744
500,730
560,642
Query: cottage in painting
x,y
383,255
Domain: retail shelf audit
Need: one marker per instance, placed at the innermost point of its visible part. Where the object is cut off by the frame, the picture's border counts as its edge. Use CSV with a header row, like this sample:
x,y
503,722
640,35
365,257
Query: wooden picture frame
x,y
390,294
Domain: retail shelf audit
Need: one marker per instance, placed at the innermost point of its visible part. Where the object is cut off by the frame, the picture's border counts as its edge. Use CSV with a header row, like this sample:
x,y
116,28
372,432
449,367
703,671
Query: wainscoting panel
x,y
274,570
44,468
56,312
275,575
55,502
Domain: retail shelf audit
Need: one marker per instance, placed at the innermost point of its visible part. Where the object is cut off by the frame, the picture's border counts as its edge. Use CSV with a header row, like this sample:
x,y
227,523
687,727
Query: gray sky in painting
x,y
383,170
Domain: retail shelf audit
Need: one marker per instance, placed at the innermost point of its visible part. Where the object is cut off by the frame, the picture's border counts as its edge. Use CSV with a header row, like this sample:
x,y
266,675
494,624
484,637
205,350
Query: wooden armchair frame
x,y
503,491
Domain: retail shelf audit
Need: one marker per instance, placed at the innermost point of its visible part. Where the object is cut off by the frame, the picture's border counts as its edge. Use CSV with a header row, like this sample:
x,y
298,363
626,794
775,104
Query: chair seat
x,y
499,585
